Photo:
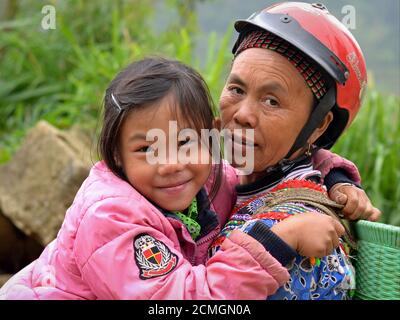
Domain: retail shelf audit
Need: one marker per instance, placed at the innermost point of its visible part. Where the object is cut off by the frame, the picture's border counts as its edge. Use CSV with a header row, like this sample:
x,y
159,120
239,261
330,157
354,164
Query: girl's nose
x,y
245,116
170,168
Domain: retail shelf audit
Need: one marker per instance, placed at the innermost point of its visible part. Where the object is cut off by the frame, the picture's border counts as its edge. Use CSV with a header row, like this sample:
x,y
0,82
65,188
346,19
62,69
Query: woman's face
x,y
265,92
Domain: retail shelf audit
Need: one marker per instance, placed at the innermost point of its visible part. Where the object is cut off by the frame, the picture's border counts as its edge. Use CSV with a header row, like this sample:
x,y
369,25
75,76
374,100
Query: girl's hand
x,y
356,203
310,234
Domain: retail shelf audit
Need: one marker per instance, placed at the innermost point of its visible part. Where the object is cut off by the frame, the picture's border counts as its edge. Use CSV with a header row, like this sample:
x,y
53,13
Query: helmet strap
x,y
315,119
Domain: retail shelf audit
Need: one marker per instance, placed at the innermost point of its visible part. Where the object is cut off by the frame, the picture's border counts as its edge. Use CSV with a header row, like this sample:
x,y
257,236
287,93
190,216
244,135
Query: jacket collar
x,y
207,218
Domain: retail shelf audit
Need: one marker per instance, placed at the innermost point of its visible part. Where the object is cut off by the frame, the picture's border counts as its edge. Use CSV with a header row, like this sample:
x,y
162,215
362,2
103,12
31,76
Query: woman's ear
x,y
217,123
321,129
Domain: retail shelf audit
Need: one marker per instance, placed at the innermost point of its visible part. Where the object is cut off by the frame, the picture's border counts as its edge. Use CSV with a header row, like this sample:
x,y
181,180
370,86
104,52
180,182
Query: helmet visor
x,y
290,30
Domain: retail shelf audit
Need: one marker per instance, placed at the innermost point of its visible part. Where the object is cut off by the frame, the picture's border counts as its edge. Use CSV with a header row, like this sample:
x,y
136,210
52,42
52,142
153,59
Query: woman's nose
x,y
245,115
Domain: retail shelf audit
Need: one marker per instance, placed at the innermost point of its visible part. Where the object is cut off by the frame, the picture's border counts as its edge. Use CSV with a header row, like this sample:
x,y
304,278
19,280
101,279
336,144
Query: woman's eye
x,y
272,102
236,90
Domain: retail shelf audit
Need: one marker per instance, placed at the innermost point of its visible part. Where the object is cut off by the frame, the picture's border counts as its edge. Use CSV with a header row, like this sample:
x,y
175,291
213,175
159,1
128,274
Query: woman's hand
x,y
356,202
310,234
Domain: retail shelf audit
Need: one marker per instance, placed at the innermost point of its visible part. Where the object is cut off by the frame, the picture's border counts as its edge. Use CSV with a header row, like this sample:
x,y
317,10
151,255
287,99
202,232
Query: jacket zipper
x,y
206,238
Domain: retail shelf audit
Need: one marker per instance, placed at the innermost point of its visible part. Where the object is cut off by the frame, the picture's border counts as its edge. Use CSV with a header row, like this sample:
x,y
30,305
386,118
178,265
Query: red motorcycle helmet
x,y
320,36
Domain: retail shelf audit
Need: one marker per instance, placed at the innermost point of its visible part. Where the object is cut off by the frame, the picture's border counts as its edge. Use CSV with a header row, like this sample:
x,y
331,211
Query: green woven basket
x,y
377,261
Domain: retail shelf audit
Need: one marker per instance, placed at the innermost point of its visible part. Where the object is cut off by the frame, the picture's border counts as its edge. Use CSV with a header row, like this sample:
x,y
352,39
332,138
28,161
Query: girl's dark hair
x,y
145,82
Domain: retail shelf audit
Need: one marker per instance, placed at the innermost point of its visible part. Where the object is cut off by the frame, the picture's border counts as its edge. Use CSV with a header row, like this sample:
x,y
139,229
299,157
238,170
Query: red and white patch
x,y
153,257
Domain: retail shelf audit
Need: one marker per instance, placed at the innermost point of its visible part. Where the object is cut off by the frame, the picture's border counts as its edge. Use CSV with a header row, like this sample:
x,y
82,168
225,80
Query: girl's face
x,y
172,184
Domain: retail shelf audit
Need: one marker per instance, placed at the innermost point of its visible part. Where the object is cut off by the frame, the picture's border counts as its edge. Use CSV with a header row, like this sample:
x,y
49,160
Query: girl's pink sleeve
x,y
325,161
117,269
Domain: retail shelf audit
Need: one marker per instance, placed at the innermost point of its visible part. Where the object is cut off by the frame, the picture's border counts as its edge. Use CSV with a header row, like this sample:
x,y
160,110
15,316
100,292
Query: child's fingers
x,y
335,243
340,231
335,238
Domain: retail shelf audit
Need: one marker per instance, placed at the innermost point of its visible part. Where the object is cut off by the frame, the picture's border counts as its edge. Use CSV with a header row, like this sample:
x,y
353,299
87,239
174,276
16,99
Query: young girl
x,y
141,231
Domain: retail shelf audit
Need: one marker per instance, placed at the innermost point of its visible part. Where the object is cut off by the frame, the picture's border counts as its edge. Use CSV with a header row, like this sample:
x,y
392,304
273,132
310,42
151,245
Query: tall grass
x,y
373,143
61,75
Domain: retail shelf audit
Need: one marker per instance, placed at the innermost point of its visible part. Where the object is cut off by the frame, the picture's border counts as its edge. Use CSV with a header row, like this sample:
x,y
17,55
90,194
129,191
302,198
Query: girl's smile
x,y
176,188
172,185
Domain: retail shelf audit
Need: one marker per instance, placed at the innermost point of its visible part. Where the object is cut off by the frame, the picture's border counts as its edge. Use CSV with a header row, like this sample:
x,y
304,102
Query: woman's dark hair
x,y
145,82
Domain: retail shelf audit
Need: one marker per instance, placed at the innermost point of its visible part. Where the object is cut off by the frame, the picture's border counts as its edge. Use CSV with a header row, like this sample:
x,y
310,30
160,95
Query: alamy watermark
x,y
349,18
49,19
188,147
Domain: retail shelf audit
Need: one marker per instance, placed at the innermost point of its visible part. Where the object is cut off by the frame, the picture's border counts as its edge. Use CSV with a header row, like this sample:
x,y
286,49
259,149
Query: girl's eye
x,y
183,142
145,149
272,102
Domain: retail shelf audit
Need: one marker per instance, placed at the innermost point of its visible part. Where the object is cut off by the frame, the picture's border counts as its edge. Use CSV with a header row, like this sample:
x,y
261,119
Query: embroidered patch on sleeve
x,y
153,257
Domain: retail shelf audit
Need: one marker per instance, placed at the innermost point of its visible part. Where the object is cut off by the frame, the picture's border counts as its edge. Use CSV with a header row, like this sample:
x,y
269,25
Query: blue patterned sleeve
x,y
331,279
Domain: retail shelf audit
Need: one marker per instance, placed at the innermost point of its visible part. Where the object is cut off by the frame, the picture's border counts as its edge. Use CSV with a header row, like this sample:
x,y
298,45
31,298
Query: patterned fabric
x,y
153,257
307,67
332,277
189,219
200,220
295,170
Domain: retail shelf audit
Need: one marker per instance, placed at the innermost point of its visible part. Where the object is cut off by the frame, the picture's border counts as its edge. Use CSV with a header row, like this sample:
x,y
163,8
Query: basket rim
x,y
378,233
366,224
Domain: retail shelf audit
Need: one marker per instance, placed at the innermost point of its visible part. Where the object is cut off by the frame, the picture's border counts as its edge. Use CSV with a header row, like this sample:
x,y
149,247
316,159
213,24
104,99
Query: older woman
x,y
265,93
297,79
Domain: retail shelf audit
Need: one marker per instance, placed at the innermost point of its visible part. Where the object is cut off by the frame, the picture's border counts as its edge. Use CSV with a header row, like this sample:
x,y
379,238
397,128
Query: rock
x,y
4,278
16,249
40,182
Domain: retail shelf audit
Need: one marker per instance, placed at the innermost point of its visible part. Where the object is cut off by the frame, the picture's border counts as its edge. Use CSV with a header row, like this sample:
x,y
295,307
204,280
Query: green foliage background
x,y
60,75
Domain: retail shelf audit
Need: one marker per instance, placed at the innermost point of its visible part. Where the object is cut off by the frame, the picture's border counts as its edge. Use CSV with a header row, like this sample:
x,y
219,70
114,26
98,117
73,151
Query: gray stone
x,y
16,249
4,278
40,182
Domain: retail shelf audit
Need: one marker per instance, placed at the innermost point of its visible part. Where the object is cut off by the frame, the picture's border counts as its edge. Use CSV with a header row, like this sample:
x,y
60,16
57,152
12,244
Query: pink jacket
x,y
325,161
95,255
114,244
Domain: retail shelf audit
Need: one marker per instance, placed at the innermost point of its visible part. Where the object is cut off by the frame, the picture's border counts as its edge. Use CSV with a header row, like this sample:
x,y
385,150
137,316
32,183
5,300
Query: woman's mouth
x,y
243,142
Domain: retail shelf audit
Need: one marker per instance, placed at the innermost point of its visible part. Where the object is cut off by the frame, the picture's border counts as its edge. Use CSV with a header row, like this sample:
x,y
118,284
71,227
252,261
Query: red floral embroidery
x,y
274,215
299,184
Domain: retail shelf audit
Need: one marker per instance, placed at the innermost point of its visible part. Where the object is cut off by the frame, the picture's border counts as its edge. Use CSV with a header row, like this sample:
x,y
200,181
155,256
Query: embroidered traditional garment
x,y
308,69
298,170
331,277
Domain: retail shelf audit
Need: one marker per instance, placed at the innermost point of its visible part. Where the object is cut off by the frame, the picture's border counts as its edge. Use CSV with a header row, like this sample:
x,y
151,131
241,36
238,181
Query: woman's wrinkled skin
x,y
265,92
